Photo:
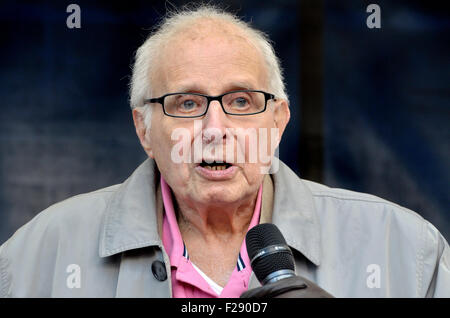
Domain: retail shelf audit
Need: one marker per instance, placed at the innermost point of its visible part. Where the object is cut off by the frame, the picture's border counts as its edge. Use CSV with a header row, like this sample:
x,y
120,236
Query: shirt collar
x,y
130,219
173,241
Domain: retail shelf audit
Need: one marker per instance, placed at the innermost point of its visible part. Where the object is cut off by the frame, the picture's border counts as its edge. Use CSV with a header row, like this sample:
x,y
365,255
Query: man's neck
x,y
215,222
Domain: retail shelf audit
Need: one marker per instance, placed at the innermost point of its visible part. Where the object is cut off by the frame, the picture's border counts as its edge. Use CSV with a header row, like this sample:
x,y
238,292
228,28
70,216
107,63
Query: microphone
x,y
273,263
270,256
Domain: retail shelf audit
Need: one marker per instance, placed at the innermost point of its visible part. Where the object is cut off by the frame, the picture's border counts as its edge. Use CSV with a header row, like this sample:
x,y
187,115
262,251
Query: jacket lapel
x,y
295,214
288,203
130,227
130,220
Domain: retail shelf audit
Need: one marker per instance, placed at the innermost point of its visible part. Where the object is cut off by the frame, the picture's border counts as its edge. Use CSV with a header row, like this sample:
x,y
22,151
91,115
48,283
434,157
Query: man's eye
x,y
188,105
240,102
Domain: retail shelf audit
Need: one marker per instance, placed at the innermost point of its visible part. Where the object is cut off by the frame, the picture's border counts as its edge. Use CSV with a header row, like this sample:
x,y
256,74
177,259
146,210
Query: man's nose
x,y
214,124
215,117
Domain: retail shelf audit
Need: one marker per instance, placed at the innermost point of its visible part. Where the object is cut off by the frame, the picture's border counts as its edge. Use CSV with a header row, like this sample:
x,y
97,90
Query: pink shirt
x,y
186,280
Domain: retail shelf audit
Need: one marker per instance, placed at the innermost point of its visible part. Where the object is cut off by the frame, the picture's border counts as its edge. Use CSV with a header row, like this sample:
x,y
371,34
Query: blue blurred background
x,y
370,108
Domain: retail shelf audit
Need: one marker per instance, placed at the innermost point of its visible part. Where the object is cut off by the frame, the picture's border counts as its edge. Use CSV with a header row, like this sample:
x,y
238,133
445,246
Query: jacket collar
x,y
130,221
295,214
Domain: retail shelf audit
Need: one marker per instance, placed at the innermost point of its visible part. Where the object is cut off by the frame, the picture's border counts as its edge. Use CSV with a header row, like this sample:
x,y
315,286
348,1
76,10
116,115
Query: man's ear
x,y
142,131
282,115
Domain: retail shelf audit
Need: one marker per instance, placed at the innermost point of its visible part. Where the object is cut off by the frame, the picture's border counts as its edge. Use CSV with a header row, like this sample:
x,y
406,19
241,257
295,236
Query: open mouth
x,y
215,165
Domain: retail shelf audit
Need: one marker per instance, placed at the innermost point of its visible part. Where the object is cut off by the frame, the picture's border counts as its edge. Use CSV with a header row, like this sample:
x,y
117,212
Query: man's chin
x,y
216,195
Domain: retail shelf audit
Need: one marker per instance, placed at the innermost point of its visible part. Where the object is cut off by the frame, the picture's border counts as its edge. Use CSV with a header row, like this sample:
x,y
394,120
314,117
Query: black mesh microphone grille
x,y
262,236
272,263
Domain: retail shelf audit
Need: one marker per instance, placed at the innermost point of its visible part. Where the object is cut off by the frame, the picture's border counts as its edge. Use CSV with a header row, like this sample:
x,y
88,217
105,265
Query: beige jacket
x,y
106,243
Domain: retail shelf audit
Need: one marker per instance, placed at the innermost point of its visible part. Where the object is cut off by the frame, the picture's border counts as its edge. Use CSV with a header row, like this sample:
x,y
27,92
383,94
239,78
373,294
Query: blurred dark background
x,y
369,107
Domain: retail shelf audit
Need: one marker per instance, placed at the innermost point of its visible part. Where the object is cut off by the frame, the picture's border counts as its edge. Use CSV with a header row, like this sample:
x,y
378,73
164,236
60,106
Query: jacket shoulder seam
x,y
368,200
89,193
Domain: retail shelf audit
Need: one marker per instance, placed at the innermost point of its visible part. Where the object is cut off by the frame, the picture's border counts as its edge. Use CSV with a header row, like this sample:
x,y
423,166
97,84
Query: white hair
x,y
175,21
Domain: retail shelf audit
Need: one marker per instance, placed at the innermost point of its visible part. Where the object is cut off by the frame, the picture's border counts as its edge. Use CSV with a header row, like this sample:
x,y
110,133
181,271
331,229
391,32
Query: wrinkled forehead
x,y
212,51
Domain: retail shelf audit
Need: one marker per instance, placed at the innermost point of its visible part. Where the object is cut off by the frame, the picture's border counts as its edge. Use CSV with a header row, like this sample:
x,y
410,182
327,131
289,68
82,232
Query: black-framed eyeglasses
x,y
192,105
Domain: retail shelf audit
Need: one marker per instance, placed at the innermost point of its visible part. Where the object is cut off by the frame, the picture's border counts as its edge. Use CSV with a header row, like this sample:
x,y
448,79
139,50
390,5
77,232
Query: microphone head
x,y
268,251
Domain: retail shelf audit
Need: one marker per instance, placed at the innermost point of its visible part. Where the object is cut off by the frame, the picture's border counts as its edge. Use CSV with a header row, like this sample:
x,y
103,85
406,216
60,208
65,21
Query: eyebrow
x,y
194,88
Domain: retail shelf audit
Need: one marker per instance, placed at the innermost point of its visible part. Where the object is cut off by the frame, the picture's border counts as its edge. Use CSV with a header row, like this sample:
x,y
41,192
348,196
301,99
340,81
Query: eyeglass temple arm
x,y
159,100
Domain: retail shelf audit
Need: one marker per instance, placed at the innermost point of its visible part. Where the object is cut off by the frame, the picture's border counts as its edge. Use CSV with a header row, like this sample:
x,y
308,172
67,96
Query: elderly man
x,y
207,94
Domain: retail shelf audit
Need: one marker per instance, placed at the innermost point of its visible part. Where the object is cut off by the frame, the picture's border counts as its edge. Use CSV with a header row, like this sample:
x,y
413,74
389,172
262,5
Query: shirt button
x,y
159,271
